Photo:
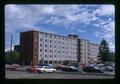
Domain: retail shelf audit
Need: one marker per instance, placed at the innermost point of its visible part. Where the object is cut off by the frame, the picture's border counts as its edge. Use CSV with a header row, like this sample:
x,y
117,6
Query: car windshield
x,y
39,66
48,67
96,68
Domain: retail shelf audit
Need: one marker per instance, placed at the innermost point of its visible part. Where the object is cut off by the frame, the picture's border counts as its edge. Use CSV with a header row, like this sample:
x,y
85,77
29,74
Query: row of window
x,y
58,51
59,42
59,47
59,56
85,57
54,36
84,53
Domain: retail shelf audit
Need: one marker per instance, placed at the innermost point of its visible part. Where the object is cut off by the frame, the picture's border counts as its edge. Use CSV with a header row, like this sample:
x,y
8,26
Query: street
x,y
57,75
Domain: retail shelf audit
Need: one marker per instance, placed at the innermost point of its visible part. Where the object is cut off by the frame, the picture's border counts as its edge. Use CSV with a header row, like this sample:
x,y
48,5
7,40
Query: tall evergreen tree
x,y
112,56
104,54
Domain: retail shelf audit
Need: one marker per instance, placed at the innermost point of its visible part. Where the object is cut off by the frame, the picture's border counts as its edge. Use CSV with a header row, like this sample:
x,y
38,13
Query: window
x,y
54,46
45,50
45,35
50,46
45,45
40,50
45,40
40,45
62,38
54,55
40,39
50,56
45,55
50,35
58,37
58,51
54,36
50,41
50,50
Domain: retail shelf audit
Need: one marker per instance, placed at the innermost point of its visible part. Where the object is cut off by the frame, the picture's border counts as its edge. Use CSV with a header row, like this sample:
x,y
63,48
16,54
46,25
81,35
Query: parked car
x,y
60,67
11,67
45,65
109,68
92,69
31,69
45,69
70,69
106,67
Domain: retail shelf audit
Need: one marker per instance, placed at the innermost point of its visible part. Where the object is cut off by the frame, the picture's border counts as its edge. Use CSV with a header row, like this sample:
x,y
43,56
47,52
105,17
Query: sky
x,y
91,22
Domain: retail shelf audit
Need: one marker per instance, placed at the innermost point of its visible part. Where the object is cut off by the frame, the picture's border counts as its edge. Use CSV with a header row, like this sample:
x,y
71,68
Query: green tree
x,y
7,58
104,53
112,56
12,57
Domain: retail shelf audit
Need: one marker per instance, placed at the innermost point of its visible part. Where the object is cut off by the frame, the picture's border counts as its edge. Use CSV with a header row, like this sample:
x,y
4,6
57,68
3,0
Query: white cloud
x,y
8,48
24,17
105,10
82,31
107,31
112,46
48,9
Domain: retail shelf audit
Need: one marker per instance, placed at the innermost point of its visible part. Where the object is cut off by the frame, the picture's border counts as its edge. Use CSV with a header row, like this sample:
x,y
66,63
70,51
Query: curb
x,y
79,73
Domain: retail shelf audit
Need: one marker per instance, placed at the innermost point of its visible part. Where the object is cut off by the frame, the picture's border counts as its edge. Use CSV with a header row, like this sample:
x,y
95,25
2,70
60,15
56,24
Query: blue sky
x,y
91,22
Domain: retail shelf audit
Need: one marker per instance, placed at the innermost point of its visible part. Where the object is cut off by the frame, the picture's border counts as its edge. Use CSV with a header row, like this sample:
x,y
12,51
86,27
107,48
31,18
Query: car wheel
x,y
29,71
53,71
38,71
44,71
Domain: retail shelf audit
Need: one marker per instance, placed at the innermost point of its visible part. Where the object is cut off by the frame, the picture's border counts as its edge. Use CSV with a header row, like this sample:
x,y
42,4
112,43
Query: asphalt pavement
x,y
21,73
57,75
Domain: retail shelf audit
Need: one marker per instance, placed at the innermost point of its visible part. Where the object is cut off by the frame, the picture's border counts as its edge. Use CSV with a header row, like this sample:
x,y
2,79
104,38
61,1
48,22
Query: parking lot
x,y
58,75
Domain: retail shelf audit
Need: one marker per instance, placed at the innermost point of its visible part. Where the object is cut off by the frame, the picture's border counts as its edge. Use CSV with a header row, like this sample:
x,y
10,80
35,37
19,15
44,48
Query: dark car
x,y
92,69
70,69
60,67
109,68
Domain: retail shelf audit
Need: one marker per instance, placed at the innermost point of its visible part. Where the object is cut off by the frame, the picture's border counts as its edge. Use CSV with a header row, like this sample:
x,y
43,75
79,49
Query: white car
x,y
45,69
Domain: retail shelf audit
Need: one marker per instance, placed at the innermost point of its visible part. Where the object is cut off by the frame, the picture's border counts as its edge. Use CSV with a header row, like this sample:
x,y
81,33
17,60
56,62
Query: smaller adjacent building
x,y
94,51
17,48
84,51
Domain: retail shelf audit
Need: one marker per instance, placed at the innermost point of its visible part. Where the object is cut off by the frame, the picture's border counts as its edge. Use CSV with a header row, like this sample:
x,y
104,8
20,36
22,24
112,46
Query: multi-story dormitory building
x,y
41,47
